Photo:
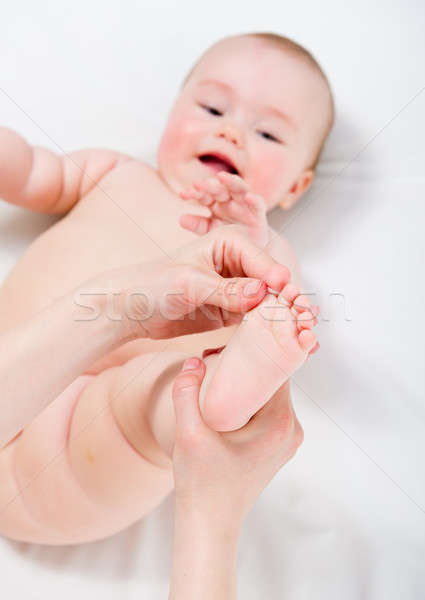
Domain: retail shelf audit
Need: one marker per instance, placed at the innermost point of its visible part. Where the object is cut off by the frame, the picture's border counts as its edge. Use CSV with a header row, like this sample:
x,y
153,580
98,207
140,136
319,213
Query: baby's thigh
x,y
38,490
116,435
77,472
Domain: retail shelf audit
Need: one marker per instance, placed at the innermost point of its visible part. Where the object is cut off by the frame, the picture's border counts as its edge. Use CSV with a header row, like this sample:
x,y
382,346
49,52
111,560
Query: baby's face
x,y
247,108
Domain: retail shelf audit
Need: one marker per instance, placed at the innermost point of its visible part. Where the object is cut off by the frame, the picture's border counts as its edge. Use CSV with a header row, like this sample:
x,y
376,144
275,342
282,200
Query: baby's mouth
x,y
218,162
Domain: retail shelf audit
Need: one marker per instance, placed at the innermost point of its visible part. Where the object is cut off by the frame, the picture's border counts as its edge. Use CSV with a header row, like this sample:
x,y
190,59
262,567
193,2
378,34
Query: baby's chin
x,y
179,176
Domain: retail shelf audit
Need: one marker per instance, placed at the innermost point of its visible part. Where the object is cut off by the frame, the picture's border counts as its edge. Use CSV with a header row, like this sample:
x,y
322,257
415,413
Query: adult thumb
x,y
186,395
233,294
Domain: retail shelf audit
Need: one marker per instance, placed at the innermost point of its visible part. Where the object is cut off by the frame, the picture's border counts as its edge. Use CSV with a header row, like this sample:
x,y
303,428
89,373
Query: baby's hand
x,y
218,476
229,200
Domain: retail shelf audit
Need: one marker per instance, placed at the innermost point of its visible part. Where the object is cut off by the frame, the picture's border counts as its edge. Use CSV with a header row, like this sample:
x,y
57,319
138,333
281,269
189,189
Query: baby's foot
x,y
229,200
270,344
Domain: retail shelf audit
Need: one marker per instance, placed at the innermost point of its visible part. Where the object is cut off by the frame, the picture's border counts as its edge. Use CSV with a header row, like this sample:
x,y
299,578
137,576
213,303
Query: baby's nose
x,y
230,133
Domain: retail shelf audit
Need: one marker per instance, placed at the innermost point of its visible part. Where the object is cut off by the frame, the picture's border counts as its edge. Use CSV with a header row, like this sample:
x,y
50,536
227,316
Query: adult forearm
x,y
42,356
204,558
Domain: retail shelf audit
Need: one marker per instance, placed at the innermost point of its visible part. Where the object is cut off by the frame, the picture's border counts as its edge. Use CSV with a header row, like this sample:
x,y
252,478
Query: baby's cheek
x,y
268,176
169,141
180,136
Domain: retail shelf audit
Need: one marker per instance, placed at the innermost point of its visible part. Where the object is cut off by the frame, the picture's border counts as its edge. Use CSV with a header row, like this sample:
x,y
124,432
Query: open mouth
x,y
218,162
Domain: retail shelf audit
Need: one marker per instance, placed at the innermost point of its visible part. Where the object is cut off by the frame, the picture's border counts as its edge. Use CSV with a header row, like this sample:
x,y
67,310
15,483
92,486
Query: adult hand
x,y
222,473
158,300
218,477
223,272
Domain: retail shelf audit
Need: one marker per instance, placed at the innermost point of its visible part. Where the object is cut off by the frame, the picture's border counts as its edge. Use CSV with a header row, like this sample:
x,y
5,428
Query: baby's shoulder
x,y
135,171
127,183
128,173
133,164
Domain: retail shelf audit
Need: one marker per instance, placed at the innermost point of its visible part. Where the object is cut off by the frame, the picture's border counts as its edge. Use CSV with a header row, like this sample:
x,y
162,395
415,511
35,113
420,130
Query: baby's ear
x,y
301,184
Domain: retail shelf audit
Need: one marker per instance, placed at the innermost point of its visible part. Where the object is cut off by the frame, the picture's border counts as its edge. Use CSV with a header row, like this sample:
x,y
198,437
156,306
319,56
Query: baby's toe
x,y
315,309
288,294
307,340
305,320
315,348
301,303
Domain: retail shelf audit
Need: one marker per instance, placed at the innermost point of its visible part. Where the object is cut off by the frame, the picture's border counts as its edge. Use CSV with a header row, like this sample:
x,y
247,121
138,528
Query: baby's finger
x,y
196,223
232,212
256,203
190,194
205,198
214,187
234,183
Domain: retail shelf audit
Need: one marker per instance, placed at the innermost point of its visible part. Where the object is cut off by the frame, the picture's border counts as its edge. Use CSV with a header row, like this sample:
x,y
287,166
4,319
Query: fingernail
x,y
190,364
272,291
252,288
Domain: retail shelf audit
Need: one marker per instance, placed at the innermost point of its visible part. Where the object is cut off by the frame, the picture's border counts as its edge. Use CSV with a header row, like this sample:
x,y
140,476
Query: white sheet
x,y
346,518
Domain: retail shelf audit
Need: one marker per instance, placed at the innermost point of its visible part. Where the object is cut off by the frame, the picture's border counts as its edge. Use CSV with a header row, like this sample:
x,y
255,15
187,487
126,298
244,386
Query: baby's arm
x,y
40,180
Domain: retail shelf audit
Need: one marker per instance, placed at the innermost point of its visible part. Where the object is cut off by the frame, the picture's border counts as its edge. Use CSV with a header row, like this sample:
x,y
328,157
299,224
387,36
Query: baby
x,y
244,135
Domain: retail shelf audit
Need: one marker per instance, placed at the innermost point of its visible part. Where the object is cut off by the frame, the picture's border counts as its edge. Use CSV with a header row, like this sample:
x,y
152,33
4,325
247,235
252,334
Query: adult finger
x,y
234,251
233,294
186,395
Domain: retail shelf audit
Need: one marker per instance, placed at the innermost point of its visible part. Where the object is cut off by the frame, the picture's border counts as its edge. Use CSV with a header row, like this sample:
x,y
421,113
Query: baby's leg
x,y
98,458
269,345
36,452
89,464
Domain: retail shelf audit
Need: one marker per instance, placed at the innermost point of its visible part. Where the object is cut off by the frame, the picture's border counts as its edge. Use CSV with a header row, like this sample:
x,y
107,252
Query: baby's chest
x,y
123,221
131,216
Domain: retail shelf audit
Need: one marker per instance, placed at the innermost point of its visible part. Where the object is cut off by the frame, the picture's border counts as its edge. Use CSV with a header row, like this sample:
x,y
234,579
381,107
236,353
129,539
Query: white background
x,y
346,518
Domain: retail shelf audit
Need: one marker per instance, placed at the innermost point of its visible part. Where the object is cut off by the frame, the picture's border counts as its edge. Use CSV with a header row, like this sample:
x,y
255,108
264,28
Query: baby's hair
x,y
289,46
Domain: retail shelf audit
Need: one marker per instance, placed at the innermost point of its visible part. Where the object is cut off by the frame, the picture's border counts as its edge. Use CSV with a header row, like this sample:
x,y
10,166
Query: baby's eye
x,y
212,110
269,136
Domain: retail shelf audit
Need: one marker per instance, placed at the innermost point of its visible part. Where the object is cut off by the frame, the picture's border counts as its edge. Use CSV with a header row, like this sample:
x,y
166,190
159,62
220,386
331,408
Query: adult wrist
x,y
104,300
204,556
217,522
